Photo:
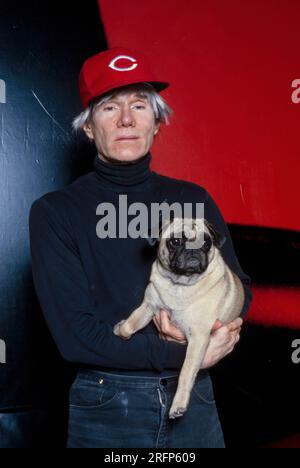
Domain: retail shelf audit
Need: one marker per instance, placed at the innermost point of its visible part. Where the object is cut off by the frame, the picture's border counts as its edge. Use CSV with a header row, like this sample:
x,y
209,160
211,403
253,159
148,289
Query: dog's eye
x,y
207,245
176,241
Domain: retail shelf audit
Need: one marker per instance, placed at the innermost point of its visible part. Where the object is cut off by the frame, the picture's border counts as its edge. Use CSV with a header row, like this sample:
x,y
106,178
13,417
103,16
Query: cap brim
x,y
158,85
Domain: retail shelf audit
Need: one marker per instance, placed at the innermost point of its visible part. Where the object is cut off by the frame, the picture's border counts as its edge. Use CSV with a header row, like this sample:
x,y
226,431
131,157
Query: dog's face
x,y
187,245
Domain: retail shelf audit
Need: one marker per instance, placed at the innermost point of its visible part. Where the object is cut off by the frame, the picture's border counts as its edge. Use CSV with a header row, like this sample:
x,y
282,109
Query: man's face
x,y
123,128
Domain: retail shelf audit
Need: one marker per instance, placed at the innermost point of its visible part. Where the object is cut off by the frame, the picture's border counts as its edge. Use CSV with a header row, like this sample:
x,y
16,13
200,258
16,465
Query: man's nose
x,y
126,118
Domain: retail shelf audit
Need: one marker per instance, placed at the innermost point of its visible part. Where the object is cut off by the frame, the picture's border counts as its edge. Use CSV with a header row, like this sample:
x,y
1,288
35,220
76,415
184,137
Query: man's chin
x,y
122,159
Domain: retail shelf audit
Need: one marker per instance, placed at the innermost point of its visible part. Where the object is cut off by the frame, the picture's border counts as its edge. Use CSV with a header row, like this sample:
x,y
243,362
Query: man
x,y
86,283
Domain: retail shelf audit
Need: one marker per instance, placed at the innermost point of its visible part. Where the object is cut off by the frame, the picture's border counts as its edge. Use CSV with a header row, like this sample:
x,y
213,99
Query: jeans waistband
x,y
95,376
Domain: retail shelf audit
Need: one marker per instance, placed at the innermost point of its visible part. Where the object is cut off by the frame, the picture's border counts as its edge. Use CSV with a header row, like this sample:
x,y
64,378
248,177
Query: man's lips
x,y
127,138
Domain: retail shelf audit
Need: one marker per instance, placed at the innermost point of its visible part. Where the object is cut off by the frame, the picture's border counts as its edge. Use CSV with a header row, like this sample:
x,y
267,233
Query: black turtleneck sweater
x,y
86,284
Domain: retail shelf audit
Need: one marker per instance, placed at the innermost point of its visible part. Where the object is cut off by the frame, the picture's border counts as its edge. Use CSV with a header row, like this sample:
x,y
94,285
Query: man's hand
x,y
168,331
222,341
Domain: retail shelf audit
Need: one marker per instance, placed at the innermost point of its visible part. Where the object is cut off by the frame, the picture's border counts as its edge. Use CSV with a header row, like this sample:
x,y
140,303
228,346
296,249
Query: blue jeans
x,y
120,411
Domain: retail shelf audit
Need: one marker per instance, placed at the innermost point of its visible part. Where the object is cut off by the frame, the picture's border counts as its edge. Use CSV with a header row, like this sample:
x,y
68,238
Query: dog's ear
x,y
152,241
217,238
154,233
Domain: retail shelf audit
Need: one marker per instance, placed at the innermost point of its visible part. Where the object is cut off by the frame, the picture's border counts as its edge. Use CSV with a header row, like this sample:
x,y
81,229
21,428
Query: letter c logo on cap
x,y
126,57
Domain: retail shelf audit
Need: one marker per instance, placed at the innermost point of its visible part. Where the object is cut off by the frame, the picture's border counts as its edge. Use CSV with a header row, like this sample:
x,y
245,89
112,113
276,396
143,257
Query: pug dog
x,y
191,280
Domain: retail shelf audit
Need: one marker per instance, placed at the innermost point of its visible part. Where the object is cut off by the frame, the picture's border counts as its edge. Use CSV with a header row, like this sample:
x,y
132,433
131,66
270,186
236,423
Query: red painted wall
x,y
235,74
232,65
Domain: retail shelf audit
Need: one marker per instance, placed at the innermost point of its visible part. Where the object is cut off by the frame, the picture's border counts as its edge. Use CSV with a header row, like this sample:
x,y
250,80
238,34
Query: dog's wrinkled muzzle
x,y
189,262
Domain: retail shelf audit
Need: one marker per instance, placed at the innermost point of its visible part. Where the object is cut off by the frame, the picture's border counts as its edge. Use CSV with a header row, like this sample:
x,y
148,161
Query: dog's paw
x,y
176,412
120,330
117,328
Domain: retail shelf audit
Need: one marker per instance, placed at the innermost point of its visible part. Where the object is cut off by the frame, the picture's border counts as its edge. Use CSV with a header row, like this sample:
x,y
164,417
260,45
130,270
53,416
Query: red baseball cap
x,y
112,69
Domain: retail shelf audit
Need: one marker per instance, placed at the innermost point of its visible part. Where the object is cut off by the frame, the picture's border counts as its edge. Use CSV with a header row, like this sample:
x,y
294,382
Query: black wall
x,y
43,45
257,387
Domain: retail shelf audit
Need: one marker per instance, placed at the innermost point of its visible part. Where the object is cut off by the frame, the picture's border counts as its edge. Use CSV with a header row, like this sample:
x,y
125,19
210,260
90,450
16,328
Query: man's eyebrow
x,y
134,96
141,96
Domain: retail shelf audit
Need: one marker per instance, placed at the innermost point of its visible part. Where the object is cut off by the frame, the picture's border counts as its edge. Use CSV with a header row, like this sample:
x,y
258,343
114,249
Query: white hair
x,y
160,108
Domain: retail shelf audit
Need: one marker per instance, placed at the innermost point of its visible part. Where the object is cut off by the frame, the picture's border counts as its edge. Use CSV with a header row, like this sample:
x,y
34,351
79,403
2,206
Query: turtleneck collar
x,y
123,177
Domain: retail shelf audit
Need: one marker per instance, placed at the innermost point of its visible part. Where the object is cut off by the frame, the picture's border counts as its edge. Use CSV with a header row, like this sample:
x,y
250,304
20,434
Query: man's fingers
x,y
164,321
228,334
166,330
218,324
156,320
233,340
164,316
235,325
226,338
169,329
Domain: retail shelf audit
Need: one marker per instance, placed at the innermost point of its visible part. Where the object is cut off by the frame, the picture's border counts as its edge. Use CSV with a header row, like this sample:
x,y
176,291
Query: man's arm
x,y
222,342
69,309
214,216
